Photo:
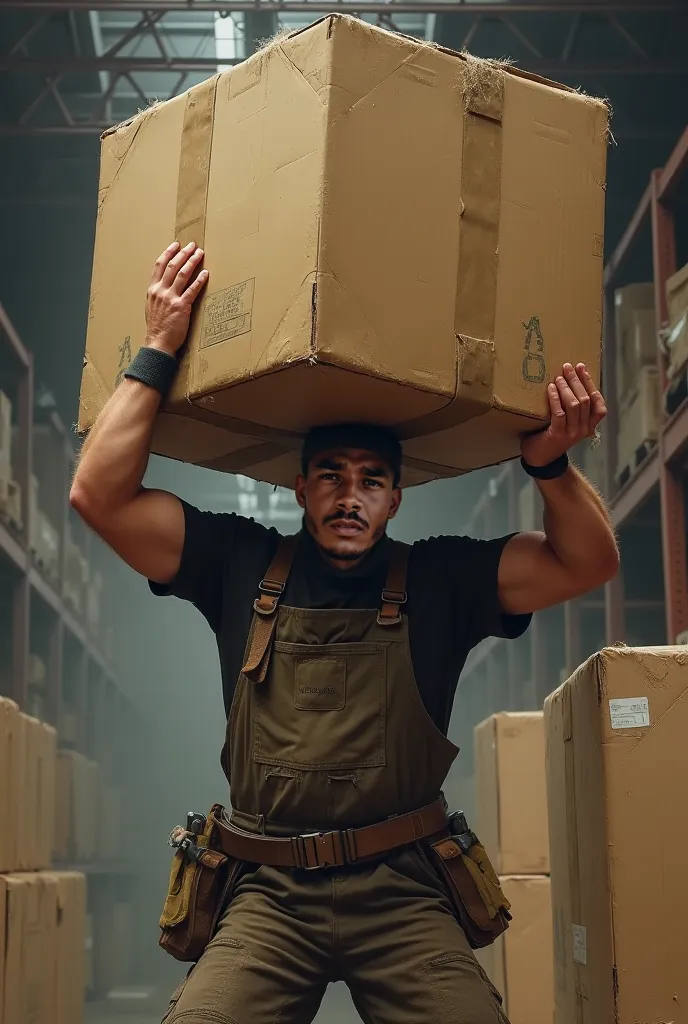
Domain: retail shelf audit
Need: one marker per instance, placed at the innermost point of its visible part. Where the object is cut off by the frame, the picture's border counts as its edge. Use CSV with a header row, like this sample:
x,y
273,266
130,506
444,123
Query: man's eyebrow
x,y
374,471
329,463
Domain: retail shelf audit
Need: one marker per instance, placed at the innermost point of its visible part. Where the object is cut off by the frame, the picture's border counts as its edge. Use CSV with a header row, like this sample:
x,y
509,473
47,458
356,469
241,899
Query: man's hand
x,y
171,296
576,407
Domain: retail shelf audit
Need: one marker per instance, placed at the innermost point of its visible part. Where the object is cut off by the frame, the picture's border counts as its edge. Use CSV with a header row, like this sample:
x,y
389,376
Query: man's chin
x,y
345,549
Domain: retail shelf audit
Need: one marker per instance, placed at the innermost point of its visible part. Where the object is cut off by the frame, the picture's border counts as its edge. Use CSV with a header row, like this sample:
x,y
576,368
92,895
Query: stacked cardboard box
x,y
27,793
636,334
324,304
42,918
512,823
44,539
637,383
616,770
677,306
78,808
10,491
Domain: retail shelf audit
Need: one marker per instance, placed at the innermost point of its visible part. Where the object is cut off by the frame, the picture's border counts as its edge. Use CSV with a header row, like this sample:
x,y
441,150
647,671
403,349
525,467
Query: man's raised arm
x,y
144,527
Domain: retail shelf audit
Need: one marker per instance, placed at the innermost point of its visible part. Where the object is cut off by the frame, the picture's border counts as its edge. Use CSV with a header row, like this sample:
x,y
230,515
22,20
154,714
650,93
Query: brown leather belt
x,y
316,850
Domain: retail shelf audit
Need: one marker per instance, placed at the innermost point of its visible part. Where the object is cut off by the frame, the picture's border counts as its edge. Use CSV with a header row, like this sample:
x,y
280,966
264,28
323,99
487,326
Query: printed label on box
x,y
580,944
629,713
228,314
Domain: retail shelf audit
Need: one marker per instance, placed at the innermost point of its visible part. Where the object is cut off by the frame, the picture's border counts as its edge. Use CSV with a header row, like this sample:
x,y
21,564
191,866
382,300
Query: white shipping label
x,y
629,713
580,944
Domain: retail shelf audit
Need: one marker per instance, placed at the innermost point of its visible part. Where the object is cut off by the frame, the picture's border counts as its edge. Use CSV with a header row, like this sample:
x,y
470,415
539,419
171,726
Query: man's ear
x,y
300,490
396,502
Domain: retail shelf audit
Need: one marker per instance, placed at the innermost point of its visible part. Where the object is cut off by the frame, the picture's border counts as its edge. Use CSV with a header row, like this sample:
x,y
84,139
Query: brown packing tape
x,y
476,276
194,170
194,162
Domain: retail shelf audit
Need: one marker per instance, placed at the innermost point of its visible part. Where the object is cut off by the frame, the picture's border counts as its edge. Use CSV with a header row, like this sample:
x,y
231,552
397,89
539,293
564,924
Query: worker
x,y
339,701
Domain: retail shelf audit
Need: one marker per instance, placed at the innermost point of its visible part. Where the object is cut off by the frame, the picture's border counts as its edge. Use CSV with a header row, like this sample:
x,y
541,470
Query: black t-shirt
x,y
452,595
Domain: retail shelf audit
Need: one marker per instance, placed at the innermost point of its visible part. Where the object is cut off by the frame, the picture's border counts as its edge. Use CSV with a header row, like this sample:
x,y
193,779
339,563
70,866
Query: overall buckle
x,y
272,591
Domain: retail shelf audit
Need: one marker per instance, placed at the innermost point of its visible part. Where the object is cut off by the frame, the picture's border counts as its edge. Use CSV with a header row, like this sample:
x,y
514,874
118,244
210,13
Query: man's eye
x,y
373,483
329,476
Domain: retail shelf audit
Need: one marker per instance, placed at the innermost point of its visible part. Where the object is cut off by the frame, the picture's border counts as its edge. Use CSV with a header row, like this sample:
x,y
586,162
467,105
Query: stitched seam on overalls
x,y
211,1015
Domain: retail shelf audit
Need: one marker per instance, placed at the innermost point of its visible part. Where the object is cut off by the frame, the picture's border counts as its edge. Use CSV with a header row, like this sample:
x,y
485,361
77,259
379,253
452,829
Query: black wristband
x,y
153,367
549,472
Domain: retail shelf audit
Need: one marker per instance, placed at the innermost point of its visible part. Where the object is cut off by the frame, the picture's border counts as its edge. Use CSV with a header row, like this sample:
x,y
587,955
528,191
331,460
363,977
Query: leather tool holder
x,y
201,882
480,905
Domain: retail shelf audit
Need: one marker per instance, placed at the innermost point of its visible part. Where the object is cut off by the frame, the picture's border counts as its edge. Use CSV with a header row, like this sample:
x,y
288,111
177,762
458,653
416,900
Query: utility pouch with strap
x,y
464,866
201,882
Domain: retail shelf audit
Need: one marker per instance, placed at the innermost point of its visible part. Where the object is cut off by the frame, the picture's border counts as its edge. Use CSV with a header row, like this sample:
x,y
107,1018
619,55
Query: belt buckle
x,y
316,850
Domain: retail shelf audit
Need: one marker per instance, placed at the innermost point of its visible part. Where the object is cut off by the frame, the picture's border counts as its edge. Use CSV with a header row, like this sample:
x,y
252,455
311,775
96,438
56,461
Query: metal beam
x,y
358,6
129,65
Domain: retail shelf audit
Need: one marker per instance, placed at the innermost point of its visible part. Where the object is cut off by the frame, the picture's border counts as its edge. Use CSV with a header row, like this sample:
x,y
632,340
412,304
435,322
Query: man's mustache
x,y
346,516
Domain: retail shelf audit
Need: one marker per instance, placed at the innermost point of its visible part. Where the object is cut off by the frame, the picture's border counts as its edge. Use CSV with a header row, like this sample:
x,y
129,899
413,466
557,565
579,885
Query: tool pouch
x,y
480,905
197,894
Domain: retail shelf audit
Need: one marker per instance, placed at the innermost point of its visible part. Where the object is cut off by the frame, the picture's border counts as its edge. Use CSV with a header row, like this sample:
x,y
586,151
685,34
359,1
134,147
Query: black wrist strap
x,y
549,472
153,367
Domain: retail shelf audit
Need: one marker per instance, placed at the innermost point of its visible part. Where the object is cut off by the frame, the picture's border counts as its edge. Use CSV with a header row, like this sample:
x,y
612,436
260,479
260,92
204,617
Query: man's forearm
x,y
577,525
115,455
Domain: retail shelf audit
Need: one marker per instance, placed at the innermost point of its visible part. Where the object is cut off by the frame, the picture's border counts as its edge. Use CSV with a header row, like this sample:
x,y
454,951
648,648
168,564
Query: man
x,y
339,701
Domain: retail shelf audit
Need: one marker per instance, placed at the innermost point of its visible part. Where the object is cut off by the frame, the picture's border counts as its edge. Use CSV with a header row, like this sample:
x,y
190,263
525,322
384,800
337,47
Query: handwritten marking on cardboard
x,y
629,713
124,360
534,368
579,936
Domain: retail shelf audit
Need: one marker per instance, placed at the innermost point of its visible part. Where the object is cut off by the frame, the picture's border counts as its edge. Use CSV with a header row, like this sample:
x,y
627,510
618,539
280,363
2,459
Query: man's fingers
x,y
186,271
598,406
570,405
162,261
558,424
194,289
578,388
174,265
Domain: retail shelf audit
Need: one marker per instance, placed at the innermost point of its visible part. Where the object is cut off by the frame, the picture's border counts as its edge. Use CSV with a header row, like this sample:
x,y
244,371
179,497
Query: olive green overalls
x,y
336,733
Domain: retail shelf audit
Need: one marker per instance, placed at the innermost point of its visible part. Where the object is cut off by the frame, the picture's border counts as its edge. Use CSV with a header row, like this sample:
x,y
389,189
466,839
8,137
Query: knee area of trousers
x,y
198,1016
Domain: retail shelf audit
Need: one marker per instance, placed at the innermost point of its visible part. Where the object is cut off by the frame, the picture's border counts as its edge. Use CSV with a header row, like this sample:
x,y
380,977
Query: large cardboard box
x,y
11,775
616,769
510,795
520,963
677,306
35,794
27,971
394,232
70,973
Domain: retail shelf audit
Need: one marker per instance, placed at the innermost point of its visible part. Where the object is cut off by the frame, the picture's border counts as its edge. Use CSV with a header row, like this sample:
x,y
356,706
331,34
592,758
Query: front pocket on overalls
x,y
323,707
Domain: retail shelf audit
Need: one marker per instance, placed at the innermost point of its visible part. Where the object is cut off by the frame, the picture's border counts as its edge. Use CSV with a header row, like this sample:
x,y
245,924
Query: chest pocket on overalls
x,y
323,706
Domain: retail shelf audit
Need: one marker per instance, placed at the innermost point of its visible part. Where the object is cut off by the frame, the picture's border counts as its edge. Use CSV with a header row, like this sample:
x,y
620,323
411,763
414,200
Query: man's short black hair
x,y
366,437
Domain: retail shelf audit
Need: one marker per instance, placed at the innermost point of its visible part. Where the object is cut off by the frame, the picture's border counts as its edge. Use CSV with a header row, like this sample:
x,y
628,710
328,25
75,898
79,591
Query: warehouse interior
x,y
130,684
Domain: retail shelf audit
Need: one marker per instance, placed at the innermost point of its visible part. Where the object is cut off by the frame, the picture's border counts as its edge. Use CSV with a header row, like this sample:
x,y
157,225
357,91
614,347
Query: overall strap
x,y
394,595
265,607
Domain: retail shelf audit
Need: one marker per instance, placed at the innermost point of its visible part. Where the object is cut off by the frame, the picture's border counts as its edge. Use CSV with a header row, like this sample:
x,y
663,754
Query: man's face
x,y
348,496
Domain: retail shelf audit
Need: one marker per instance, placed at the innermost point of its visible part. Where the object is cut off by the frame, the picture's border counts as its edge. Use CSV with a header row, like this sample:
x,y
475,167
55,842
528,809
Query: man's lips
x,y
345,527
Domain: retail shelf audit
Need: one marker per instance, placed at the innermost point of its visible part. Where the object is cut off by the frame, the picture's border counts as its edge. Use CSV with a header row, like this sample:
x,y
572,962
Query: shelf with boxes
x,y
51,567
58,683
645,437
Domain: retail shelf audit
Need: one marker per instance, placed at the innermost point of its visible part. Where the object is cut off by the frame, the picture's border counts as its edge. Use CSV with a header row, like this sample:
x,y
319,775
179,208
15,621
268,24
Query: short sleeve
x,y
486,617
208,536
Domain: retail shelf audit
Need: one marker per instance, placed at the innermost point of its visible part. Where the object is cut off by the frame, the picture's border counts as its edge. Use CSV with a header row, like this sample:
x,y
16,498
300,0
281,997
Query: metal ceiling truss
x,y
84,93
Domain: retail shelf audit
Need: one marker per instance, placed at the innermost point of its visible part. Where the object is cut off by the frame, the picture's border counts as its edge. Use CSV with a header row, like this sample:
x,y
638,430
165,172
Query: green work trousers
x,y
387,930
